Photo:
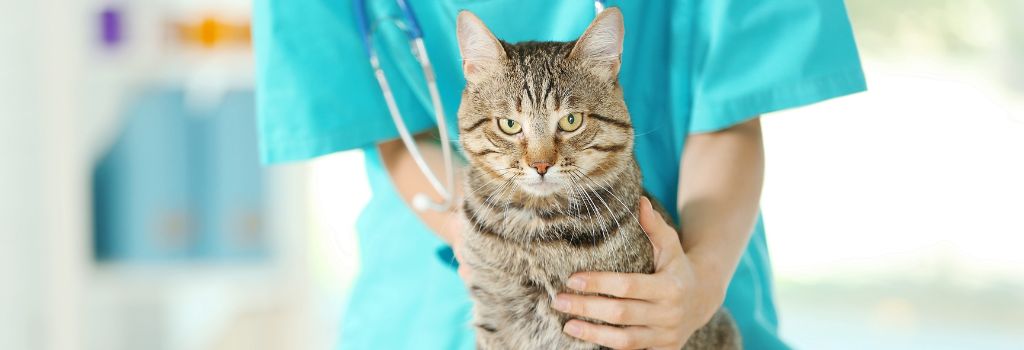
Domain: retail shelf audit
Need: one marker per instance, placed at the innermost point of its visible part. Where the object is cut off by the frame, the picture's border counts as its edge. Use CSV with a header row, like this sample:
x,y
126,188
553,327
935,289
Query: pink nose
x,y
542,167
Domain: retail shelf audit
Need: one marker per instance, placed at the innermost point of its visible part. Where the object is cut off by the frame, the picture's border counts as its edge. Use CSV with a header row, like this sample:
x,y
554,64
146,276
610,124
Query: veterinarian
x,y
696,75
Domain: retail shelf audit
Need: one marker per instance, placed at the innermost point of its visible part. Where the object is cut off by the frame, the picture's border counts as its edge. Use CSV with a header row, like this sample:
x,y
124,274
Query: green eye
x,y
571,122
509,126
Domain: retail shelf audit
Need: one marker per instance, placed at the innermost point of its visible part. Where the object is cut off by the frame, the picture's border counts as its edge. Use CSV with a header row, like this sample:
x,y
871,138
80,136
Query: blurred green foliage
x,y
985,36
957,27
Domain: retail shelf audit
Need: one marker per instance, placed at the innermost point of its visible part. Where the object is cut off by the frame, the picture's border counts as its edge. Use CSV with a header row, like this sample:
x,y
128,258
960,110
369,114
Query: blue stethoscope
x,y
421,201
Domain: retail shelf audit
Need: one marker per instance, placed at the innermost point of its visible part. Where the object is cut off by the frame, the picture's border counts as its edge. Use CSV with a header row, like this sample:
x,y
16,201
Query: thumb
x,y
662,235
455,236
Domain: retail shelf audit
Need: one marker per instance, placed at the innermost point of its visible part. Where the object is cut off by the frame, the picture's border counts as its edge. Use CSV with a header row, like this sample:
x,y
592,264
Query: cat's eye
x,y
509,126
571,122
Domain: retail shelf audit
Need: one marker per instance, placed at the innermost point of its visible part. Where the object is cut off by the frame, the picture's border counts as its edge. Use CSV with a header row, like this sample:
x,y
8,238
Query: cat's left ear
x,y
600,46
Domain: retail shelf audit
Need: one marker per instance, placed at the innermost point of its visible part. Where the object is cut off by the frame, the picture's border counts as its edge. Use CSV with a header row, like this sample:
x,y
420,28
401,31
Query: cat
x,y
552,186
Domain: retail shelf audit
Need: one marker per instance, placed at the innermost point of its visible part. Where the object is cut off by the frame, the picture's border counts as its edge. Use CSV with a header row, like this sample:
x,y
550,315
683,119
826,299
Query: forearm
x,y
410,181
720,188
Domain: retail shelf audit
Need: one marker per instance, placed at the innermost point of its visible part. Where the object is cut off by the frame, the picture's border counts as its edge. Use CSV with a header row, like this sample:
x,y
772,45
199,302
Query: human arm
x,y
410,181
719,197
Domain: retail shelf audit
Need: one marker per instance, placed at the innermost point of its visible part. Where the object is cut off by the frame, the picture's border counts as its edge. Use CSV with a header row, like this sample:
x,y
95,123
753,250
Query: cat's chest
x,y
541,259
626,249
544,267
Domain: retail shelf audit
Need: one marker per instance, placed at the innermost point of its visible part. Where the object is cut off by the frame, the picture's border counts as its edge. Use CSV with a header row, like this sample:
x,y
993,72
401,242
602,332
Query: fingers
x,y
663,236
464,271
623,312
457,250
620,285
613,337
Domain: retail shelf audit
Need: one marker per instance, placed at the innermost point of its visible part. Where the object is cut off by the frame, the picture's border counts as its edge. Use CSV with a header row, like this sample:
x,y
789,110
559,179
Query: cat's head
x,y
544,116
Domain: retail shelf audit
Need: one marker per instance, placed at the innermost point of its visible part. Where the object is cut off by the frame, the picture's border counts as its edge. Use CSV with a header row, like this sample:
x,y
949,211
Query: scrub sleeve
x,y
688,67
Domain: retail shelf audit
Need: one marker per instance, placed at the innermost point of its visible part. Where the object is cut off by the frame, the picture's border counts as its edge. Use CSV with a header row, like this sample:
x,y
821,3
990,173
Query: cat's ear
x,y
600,46
481,51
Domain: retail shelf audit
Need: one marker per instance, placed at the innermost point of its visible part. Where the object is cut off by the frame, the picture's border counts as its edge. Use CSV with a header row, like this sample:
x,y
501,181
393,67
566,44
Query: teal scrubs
x,y
688,67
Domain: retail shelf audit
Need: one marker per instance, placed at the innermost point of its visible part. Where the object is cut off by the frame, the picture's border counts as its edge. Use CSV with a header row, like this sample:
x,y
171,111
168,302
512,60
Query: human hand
x,y
659,310
454,227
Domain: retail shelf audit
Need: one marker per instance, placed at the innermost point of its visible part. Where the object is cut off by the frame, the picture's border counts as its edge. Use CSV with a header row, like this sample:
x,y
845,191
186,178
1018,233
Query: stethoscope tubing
x,y
412,29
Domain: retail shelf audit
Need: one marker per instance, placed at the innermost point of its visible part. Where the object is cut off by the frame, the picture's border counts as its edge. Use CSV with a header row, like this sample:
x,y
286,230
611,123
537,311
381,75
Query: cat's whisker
x,y
571,206
491,183
493,186
587,183
488,202
603,221
647,132
506,190
507,200
593,205
625,207
471,190
580,204
580,180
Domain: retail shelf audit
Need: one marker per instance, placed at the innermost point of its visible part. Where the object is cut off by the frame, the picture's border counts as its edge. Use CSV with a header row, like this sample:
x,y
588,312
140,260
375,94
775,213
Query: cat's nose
x,y
542,167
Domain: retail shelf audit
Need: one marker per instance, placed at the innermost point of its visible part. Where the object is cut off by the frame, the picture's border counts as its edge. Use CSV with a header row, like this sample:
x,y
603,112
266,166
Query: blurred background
x,y
134,213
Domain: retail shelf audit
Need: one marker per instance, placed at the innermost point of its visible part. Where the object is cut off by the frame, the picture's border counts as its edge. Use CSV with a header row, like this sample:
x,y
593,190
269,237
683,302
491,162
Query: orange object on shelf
x,y
210,32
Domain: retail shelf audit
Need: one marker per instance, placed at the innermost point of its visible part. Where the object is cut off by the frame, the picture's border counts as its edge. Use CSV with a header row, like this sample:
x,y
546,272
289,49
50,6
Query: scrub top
x,y
688,67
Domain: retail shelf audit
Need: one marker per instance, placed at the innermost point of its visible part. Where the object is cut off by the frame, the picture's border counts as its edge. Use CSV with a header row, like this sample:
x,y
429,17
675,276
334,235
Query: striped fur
x,y
527,233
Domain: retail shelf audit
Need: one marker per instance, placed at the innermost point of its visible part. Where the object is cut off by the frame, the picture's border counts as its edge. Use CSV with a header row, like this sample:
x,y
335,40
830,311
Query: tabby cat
x,y
553,187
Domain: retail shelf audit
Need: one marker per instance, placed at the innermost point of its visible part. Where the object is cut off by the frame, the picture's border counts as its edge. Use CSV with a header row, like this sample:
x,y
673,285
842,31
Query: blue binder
x,y
179,186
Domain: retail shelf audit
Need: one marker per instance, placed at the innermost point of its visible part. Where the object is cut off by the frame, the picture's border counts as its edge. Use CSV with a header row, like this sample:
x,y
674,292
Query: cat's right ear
x,y
481,51
601,44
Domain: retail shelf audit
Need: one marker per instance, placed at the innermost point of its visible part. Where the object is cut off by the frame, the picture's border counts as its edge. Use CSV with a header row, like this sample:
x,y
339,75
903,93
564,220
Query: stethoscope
x,y
421,201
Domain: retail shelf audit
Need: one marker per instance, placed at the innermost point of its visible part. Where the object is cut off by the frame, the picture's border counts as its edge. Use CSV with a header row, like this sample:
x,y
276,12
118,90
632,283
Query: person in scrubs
x,y
696,75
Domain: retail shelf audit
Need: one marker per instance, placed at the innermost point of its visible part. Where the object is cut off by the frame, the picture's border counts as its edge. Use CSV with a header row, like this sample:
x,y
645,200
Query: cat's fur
x,y
527,233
